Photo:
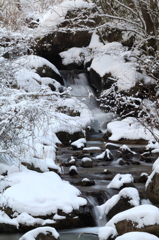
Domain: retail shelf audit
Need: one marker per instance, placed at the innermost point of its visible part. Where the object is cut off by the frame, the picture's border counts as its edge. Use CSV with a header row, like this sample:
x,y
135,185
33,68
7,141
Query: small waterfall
x,y
100,222
82,90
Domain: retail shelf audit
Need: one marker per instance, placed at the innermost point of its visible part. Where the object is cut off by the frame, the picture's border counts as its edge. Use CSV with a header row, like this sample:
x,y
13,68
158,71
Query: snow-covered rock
x,y
27,197
87,162
125,199
41,233
128,129
79,144
120,181
144,218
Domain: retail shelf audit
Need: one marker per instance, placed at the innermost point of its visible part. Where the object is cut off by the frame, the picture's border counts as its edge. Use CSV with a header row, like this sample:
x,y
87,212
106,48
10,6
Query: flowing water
x,y
81,89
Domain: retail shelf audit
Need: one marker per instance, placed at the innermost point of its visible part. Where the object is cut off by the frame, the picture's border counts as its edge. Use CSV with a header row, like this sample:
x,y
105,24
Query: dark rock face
x,y
152,189
130,226
122,205
67,138
7,228
74,31
48,236
100,83
87,162
46,71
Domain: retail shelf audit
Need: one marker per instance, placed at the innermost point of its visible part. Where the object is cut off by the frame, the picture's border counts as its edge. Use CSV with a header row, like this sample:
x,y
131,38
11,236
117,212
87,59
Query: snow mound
x,y
74,55
128,128
80,143
34,62
137,236
106,232
118,181
39,193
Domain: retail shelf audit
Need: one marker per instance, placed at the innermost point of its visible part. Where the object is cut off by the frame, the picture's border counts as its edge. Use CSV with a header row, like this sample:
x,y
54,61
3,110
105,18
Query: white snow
x,y
118,181
73,168
125,147
95,42
91,148
31,235
57,14
74,55
102,155
155,164
34,62
113,62
127,192
86,159
80,143
137,236
144,215
85,180
105,232
128,128
39,193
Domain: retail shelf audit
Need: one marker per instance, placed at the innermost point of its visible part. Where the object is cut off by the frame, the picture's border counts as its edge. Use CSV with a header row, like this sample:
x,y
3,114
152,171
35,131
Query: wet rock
x,y
85,214
121,162
87,162
71,161
106,171
86,182
79,144
73,171
143,177
106,156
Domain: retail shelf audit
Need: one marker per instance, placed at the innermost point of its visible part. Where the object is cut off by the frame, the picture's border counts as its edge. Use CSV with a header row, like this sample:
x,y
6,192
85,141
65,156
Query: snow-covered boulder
x,y
121,180
79,144
152,185
41,233
86,182
106,155
38,65
128,130
86,162
124,200
59,29
106,69
143,218
73,171
30,199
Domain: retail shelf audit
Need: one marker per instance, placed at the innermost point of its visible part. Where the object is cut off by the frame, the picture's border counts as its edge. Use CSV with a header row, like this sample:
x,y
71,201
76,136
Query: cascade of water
x,y
98,220
82,90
